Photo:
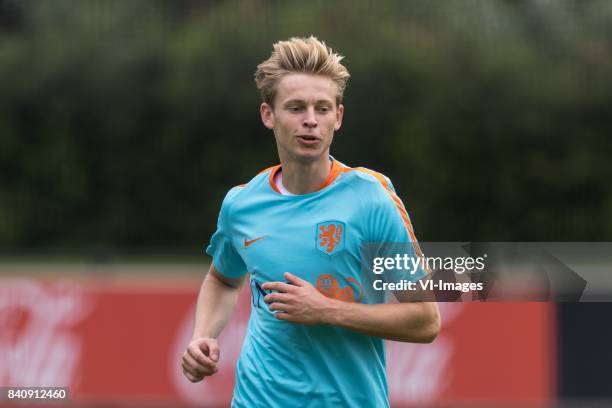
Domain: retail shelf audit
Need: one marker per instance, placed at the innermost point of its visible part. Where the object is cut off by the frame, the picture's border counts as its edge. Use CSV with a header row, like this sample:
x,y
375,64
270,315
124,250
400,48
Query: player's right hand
x,y
200,359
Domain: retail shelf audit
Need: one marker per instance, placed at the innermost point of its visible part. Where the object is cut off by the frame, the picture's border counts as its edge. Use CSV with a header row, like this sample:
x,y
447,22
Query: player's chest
x,y
277,238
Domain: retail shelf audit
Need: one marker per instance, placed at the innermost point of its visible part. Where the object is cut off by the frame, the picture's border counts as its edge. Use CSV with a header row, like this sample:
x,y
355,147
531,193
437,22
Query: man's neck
x,y
304,178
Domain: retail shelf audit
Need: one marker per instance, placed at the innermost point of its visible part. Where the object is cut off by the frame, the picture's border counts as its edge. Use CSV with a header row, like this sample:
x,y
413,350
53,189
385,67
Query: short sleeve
x,y
226,259
394,236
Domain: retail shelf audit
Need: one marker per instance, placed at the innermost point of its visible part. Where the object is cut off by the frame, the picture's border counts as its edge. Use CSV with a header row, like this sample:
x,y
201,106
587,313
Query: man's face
x,y
304,116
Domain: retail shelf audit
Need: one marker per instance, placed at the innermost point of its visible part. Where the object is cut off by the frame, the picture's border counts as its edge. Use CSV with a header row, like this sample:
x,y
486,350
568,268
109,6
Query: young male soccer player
x,y
315,336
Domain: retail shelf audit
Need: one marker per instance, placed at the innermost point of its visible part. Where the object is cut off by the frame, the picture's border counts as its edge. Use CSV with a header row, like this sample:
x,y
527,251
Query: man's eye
x,y
324,109
294,108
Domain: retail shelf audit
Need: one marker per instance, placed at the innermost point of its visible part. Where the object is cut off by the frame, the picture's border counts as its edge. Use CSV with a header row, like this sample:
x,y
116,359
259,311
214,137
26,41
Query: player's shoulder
x,y
368,180
373,189
259,181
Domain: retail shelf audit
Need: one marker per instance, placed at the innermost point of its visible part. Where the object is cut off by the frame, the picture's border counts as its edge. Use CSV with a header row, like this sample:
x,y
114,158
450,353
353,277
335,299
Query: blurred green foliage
x,y
123,123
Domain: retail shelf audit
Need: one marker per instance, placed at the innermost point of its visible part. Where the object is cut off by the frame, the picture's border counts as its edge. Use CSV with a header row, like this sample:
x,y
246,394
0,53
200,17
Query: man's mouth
x,y
307,139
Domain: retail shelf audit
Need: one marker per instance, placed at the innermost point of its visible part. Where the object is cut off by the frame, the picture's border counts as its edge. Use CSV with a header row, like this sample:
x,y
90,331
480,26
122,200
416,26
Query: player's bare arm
x,y
216,302
300,302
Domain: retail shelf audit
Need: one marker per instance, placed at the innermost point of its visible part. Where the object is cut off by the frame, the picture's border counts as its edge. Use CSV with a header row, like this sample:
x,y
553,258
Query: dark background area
x,y
123,124
584,359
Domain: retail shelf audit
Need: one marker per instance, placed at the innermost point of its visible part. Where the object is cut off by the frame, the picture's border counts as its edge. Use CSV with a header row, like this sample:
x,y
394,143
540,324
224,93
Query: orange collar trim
x,y
275,170
335,171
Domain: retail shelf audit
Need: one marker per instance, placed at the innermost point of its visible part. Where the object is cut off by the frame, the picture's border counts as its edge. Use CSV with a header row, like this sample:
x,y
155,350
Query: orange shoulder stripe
x,y
398,203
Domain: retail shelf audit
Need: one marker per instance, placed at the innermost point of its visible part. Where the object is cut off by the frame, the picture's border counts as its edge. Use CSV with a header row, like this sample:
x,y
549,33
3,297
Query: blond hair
x,y
298,54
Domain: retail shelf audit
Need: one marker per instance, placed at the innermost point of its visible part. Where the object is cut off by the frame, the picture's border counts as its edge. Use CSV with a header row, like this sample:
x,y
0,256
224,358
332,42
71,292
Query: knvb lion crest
x,y
330,236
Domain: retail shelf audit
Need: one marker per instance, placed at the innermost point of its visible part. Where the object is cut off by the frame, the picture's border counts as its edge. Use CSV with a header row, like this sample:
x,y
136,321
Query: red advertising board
x,y
121,342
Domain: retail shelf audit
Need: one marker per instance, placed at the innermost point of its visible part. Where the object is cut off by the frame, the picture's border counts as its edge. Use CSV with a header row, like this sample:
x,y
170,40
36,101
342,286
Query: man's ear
x,y
267,115
339,116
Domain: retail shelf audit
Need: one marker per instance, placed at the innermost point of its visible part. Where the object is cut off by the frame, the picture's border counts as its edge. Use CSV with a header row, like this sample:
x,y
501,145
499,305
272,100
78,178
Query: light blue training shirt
x,y
318,237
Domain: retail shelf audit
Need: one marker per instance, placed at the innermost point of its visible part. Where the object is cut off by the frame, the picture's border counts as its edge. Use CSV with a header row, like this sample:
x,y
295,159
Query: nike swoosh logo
x,y
248,243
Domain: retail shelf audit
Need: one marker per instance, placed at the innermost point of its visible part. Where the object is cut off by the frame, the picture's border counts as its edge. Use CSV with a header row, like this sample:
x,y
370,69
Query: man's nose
x,y
310,120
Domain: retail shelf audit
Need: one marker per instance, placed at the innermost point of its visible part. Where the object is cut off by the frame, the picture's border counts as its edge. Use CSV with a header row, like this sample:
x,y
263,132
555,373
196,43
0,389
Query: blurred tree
x,y
123,124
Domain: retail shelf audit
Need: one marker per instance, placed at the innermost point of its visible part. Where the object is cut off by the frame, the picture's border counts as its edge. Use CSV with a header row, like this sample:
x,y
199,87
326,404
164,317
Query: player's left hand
x,y
297,301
